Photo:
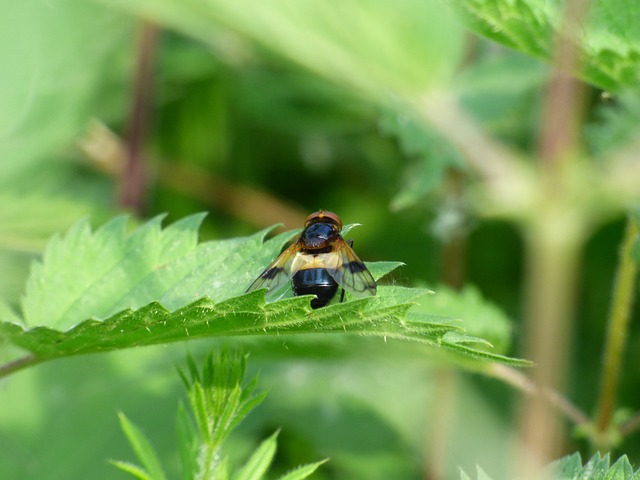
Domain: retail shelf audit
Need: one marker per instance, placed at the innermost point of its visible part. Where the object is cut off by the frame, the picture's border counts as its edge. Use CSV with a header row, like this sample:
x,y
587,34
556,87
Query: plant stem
x,y
555,234
23,362
520,381
618,327
553,250
134,176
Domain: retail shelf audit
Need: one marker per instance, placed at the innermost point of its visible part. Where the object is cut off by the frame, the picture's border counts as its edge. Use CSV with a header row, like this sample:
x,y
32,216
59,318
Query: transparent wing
x,y
350,273
279,272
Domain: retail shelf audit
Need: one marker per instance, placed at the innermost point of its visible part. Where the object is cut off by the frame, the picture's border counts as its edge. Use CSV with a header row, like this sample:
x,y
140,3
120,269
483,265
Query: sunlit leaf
x,y
143,449
609,40
116,275
258,464
373,47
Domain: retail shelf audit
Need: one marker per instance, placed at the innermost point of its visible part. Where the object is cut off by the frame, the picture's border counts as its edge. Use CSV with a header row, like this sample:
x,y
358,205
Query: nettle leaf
x,y
112,289
483,318
608,39
375,48
571,466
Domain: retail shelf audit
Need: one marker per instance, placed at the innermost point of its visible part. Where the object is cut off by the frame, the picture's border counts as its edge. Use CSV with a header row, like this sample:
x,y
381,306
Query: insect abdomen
x,y
315,281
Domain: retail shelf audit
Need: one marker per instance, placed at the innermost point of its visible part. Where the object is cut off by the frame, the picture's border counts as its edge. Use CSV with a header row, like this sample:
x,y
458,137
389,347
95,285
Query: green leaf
x,y
373,47
113,274
608,40
64,77
481,318
134,470
480,474
303,471
621,470
463,475
143,449
187,443
598,466
259,462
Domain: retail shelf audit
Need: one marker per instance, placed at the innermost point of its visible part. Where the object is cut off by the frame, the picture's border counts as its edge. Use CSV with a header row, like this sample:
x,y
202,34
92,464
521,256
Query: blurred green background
x,y
258,123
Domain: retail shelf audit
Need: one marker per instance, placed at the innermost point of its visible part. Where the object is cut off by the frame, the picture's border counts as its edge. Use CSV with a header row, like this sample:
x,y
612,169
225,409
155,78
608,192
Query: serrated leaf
x,y
89,274
609,51
303,471
133,469
85,274
481,317
259,462
598,467
143,449
566,467
621,470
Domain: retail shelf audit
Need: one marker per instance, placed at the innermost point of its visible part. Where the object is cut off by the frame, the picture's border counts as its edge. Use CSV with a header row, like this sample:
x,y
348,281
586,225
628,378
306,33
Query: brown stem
x,y
134,175
106,151
23,362
554,239
520,381
455,244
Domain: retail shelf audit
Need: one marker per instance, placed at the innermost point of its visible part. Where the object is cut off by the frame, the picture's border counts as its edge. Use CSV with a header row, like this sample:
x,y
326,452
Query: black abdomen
x,y
315,281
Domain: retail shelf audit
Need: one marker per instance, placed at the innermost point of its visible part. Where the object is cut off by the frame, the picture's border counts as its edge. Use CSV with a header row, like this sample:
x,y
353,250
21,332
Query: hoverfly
x,y
318,263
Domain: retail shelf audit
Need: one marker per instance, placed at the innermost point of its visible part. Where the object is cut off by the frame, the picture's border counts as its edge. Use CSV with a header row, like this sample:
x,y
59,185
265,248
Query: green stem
x,y
618,327
554,241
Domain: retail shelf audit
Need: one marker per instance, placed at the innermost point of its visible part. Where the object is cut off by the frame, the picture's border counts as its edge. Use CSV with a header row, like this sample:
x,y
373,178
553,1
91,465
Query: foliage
x,y
608,40
114,274
571,466
218,402
260,113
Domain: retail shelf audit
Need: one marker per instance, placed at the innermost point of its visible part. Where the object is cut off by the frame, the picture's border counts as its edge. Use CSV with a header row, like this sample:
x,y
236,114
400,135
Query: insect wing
x,y
279,272
351,274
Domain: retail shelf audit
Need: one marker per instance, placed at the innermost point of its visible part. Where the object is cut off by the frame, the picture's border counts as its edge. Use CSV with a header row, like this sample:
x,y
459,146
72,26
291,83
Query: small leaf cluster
x,y
570,467
217,402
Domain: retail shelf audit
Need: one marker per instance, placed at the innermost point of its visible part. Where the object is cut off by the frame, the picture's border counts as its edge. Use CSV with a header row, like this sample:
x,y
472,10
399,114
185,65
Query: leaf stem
x,y
16,365
618,327
520,381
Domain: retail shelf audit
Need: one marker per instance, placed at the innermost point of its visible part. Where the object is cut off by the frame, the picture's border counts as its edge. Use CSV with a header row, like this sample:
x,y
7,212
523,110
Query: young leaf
x,y
143,449
598,467
259,462
622,469
134,470
188,444
303,471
